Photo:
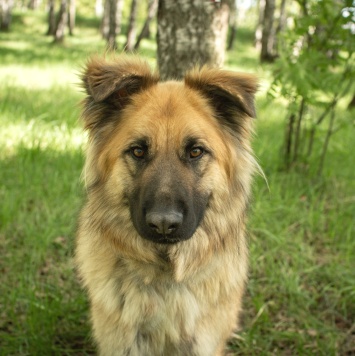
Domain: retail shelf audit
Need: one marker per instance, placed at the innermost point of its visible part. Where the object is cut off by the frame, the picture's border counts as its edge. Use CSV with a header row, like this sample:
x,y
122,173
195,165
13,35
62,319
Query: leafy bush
x,y
314,72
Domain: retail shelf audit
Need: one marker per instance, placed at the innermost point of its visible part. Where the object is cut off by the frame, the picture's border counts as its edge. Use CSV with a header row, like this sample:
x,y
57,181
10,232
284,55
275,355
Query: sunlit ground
x,y
300,297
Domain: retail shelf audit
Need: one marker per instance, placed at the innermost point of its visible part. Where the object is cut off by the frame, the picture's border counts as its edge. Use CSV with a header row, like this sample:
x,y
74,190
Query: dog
x,y
161,244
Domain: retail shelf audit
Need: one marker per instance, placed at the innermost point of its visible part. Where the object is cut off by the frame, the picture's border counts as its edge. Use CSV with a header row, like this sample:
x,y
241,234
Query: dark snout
x,y
167,219
165,209
165,222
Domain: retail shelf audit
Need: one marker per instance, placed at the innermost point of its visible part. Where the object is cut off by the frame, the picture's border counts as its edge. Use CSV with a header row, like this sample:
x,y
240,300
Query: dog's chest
x,y
158,307
165,321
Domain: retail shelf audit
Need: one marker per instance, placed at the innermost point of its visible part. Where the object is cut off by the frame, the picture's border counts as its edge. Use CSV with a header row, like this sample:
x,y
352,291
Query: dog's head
x,y
161,153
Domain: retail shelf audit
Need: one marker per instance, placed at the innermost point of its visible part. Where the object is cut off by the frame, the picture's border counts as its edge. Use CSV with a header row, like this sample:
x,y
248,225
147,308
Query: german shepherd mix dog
x,y
161,245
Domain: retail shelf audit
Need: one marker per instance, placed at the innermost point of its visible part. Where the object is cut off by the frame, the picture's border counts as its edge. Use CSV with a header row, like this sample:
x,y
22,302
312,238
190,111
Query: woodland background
x,y
301,294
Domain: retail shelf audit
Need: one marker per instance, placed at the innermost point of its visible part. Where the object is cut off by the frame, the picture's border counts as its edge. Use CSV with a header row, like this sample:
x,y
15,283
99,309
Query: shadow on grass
x,y
41,50
26,42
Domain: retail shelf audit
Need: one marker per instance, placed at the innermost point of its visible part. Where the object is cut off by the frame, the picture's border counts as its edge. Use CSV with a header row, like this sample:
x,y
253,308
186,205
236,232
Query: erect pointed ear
x,y
110,84
230,93
124,74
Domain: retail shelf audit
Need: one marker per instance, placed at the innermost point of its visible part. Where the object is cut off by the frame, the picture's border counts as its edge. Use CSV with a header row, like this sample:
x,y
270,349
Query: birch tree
x,y
62,20
5,14
189,33
131,32
268,33
111,22
145,32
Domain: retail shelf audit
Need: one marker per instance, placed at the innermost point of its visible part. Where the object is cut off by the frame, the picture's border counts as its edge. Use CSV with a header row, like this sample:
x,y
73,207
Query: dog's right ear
x,y
110,84
231,95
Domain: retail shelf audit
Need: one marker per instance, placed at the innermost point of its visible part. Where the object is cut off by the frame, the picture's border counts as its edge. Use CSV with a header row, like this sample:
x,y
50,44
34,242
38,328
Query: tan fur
x,y
147,298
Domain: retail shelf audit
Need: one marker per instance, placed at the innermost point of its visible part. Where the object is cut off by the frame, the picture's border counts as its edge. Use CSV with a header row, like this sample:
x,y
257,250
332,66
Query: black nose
x,y
164,223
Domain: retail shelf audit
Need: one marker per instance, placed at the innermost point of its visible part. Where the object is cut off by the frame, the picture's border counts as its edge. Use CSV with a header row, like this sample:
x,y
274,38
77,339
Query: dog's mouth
x,y
167,240
164,239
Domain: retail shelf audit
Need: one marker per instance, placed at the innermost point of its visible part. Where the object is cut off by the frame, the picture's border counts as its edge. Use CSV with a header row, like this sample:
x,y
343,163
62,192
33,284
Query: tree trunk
x,y
232,26
131,32
259,26
190,33
351,105
5,14
114,22
62,20
71,16
326,142
297,133
33,4
105,20
51,18
152,9
289,140
280,26
112,25
268,35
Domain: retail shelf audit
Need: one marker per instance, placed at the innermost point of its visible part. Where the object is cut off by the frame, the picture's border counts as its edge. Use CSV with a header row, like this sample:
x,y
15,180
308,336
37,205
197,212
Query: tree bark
x,y
112,25
51,18
5,14
33,4
114,10
105,20
62,20
232,25
280,26
190,33
268,35
131,32
152,9
71,17
259,26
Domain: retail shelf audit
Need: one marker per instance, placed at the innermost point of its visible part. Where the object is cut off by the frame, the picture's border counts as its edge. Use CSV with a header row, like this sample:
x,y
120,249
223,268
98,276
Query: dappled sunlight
x,y
16,45
44,77
34,134
40,108
300,295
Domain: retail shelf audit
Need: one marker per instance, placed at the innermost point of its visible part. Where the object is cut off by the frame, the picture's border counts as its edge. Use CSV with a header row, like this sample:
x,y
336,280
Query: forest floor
x,y
300,298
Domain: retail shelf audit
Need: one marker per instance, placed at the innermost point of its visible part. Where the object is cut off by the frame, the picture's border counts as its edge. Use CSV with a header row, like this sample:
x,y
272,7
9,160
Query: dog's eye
x,y
138,152
196,152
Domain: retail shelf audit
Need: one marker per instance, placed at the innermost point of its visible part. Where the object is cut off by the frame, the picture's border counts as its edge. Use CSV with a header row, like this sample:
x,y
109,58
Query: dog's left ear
x,y
110,84
125,75
231,94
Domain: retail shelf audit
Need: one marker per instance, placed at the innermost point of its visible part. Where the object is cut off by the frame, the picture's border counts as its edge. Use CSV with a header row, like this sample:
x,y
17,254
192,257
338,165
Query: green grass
x,y
301,294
